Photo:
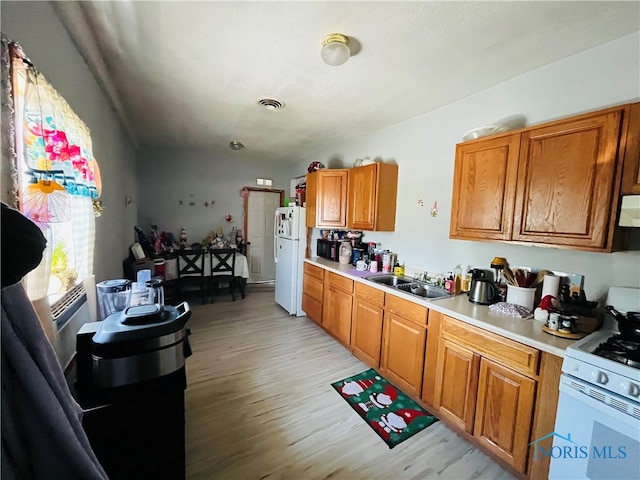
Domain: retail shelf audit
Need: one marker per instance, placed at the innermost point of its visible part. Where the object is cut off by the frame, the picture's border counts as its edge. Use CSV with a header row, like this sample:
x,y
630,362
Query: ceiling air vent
x,y
271,104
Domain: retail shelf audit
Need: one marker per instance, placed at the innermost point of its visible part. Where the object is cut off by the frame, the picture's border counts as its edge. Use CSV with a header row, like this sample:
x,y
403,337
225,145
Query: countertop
x,y
526,331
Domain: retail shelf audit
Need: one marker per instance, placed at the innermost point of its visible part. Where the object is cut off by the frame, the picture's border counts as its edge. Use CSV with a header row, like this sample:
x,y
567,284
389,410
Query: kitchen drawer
x,y
314,271
406,309
370,294
312,308
312,287
520,357
339,282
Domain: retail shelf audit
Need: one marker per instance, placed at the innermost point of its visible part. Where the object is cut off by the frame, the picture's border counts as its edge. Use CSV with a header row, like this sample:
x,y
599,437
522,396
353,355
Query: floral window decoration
x,y
57,180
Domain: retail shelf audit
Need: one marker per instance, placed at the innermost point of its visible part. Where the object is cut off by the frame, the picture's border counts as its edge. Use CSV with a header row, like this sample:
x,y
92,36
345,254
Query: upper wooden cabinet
x,y
556,184
372,197
327,198
631,172
565,182
484,184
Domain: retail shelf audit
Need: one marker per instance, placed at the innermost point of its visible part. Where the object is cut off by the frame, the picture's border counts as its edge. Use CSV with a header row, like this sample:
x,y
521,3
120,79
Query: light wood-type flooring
x,y
259,404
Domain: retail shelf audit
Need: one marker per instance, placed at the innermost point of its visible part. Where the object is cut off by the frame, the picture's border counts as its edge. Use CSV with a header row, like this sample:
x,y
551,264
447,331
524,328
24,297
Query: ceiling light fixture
x,y
235,145
335,49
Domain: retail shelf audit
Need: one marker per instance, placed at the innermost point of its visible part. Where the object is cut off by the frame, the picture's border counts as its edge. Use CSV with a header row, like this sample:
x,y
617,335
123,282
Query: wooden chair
x,y
191,269
223,266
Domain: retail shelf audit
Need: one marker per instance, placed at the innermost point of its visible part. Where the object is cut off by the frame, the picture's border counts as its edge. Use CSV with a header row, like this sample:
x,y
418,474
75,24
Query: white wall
x,y
168,176
424,148
35,26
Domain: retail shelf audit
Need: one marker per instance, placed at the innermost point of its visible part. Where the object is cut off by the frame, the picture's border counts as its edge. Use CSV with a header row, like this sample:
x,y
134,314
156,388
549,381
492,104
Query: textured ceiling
x,y
189,74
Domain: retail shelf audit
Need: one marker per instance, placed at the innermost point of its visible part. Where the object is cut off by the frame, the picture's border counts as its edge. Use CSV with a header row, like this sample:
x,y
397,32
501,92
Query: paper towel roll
x,y
550,285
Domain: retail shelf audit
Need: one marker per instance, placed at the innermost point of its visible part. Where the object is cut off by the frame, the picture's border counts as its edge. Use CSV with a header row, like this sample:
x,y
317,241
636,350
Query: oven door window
x,y
608,444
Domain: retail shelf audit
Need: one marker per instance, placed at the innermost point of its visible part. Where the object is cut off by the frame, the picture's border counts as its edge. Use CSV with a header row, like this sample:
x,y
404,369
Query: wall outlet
x,y
260,181
268,182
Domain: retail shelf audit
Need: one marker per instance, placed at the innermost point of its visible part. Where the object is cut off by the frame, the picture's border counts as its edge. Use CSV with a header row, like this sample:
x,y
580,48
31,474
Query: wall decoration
x,y
420,202
229,217
434,209
244,192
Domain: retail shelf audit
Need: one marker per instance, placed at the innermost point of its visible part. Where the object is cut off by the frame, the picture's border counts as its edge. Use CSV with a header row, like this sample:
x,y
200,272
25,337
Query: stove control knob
x,y
633,389
601,377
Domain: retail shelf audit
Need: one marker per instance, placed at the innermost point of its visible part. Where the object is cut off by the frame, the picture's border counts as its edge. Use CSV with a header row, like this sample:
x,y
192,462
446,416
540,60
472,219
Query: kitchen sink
x,y
424,290
409,285
390,280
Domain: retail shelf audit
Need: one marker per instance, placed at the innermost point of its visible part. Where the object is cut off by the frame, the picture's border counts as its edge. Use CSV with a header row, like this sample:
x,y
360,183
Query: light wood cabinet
x,y
497,392
566,173
631,172
555,184
327,198
403,344
456,384
504,412
372,197
484,183
366,324
337,305
481,387
312,292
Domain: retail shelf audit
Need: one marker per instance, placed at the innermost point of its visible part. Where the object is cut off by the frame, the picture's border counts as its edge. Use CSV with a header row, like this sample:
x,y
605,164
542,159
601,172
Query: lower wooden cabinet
x,y
504,412
457,384
366,331
313,292
477,392
336,310
403,352
498,390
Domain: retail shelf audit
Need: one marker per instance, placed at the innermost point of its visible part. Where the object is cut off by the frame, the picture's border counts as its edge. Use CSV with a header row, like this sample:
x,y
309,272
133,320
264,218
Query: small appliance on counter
x,y
130,381
483,292
113,296
329,249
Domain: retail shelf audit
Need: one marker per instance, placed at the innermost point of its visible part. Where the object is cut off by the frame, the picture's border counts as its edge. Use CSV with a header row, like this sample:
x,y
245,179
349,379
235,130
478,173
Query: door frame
x,y
246,207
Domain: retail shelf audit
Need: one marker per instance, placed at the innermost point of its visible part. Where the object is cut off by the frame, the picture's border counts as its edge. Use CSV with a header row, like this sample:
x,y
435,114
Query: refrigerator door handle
x,y
275,237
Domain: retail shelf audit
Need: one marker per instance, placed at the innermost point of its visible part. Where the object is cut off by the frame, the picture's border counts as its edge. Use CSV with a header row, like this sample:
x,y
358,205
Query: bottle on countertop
x,y
449,283
466,282
457,279
398,270
386,261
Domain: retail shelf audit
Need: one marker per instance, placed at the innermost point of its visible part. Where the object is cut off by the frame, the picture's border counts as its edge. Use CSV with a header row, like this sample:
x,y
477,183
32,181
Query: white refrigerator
x,y
289,245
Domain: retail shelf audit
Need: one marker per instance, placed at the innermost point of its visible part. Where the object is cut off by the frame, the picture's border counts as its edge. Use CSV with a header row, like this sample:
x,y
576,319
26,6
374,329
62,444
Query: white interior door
x,y
261,207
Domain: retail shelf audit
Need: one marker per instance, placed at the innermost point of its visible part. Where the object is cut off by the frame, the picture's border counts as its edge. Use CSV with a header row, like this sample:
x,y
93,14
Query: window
x,y
56,179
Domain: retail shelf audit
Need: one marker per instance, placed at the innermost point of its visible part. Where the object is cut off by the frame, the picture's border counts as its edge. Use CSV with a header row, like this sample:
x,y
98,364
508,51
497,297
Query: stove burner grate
x,y
620,350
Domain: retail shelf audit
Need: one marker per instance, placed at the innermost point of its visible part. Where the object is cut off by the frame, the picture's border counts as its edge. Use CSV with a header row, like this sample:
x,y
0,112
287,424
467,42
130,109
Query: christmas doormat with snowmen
x,y
393,415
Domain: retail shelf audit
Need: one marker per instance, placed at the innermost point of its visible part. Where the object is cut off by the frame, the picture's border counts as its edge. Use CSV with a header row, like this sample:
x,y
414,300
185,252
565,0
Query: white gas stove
x,y
597,430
